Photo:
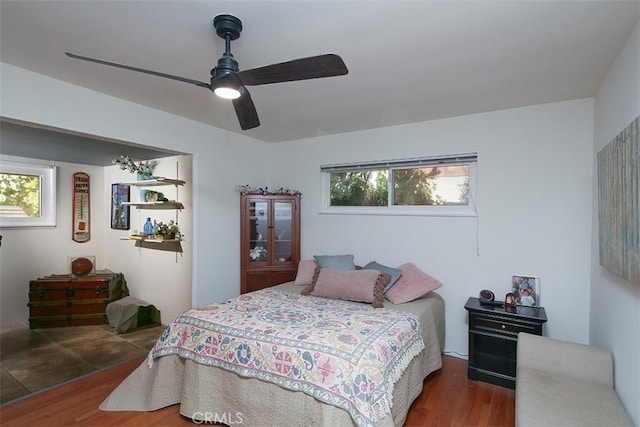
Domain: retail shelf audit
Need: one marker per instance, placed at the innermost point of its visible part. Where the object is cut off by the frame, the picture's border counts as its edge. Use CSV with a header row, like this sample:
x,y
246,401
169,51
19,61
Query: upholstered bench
x,y
565,384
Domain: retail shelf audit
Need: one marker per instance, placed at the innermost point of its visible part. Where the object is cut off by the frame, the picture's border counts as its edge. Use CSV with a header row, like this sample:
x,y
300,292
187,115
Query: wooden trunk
x,y
65,300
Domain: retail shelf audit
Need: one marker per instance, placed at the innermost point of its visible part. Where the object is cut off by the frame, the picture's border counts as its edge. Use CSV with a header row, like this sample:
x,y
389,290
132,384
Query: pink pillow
x,y
305,272
350,285
413,284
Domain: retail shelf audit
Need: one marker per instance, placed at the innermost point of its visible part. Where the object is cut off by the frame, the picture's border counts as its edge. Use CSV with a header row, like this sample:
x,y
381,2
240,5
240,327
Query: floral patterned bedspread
x,y
346,355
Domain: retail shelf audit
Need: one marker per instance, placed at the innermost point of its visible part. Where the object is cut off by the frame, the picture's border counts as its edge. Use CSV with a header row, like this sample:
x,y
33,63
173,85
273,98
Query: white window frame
x,y
47,174
470,159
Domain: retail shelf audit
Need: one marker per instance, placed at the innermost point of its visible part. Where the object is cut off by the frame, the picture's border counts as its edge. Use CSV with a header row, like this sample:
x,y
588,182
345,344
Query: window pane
x,y
359,188
434,186
19,195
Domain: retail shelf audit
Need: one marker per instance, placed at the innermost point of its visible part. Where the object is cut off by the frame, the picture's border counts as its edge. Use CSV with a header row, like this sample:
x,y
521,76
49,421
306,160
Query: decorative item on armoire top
x,y
80,211
247,189
119,212
526,289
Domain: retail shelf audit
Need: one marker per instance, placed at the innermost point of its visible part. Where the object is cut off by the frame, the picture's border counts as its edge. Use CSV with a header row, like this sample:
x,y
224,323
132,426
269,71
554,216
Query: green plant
x,y
125,163
170,229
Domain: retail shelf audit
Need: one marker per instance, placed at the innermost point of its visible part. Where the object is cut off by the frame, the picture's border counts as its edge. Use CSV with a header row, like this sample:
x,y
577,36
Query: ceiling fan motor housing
x,y
226,65
227,25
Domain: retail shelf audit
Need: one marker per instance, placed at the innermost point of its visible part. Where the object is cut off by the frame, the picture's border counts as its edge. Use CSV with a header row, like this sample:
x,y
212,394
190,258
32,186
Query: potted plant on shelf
x,y
143,168
168,231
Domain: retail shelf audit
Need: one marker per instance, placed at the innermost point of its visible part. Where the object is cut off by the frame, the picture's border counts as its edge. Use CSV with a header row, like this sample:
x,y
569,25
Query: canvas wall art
x,y
619,204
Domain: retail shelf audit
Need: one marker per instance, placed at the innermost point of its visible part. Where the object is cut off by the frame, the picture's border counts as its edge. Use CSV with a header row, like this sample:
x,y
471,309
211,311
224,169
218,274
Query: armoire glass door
x,y
282,231
258,231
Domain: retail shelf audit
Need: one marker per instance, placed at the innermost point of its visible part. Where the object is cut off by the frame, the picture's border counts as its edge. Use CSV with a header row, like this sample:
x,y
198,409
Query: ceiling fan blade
x,y
246,111
140,70
314,67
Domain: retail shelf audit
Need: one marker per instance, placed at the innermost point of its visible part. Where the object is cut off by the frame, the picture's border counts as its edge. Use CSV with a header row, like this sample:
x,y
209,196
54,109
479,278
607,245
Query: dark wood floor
x,y
448,399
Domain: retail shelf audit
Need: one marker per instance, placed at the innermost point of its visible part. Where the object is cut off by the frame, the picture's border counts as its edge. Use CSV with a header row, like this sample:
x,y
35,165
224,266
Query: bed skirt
x,y
200,390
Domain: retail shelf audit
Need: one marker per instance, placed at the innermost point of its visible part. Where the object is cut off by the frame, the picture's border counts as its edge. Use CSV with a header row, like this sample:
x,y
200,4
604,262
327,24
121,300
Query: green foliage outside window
x,y
22,191
414,186
423,186
359,188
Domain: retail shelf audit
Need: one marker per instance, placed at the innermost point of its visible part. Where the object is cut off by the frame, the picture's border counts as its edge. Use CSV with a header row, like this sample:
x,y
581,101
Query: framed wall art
x,y
119,211
526,289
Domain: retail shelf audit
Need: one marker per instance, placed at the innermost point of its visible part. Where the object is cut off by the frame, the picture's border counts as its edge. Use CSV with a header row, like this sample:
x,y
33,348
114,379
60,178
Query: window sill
x,y
402,211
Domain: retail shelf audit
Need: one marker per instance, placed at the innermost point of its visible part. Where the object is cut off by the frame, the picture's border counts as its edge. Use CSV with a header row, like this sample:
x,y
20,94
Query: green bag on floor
x,y
129,314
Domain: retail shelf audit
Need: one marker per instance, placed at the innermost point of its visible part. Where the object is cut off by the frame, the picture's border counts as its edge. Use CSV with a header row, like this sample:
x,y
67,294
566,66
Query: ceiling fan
x,y
230,83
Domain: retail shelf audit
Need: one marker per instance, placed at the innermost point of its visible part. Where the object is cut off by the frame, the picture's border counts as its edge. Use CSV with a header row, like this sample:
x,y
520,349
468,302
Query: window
x,y
442,185
27,194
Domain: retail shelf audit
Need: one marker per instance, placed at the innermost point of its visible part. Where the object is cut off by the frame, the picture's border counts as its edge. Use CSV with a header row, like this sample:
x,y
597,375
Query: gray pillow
x,y
335,262
395,273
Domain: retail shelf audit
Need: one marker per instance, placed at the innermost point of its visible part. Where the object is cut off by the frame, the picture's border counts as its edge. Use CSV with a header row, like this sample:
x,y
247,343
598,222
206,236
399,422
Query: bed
x,y
213,392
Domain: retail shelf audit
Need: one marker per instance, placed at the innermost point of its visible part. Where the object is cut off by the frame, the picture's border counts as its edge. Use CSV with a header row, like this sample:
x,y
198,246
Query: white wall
x,y
534,199
221,160
615,302
28,254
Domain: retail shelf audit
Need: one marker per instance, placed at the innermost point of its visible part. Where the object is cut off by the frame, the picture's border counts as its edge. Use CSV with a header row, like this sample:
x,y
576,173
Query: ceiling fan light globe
x,y
227,92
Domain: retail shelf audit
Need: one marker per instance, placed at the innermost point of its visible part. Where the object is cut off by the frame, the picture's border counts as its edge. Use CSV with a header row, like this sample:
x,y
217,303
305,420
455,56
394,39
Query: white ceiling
x,y
408,61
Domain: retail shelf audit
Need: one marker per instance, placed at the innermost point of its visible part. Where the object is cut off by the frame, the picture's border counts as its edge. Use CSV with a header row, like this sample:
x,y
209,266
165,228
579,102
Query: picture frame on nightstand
x,y
526,289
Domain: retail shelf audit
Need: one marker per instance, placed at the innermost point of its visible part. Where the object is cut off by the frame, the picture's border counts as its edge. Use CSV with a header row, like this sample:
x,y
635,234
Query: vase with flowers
x,y
143,168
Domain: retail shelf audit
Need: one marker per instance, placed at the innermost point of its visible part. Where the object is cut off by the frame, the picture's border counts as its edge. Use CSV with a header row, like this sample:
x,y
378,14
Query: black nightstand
x,y
493,336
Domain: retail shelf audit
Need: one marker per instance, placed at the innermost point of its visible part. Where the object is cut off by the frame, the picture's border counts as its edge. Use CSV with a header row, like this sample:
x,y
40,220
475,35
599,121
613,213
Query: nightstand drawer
x,y
502,325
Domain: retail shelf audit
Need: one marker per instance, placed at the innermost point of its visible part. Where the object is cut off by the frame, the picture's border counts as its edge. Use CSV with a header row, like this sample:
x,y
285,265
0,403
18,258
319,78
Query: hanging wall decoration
x,y
119,211
619,204
81,225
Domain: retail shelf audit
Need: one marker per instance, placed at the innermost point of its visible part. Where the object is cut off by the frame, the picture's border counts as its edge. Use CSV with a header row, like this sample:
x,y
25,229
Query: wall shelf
x,y
157,181
173,245
155,205
160,245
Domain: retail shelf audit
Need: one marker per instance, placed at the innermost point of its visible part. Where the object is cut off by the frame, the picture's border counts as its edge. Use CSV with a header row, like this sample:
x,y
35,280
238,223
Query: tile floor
x,y
35,359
